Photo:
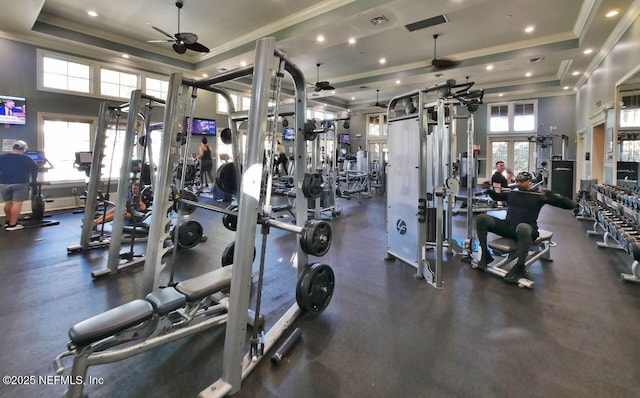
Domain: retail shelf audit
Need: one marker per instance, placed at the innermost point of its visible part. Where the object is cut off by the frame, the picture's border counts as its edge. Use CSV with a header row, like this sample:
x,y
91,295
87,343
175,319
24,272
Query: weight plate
x,y
315,288
312,185
225,136
188,195
227,254
315,238
189,234
226,178
229,221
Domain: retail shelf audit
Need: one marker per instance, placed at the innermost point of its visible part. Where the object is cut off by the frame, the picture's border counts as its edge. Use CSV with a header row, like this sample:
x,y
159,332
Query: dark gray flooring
x,y
385,334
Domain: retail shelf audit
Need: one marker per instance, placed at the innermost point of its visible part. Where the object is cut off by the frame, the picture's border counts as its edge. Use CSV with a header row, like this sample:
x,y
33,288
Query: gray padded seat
x,y
166,300
507,245
205,285
110,322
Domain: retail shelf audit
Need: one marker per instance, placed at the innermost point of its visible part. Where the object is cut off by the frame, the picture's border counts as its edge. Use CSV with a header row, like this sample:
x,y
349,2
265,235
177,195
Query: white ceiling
x,y
478,33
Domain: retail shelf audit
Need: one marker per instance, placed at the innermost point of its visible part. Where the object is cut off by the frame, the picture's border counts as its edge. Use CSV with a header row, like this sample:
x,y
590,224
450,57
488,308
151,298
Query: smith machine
x,y
417,187
138,112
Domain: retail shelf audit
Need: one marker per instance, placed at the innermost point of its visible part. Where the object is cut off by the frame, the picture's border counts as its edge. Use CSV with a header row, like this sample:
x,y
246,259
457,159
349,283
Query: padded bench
x,y
508,245
159,302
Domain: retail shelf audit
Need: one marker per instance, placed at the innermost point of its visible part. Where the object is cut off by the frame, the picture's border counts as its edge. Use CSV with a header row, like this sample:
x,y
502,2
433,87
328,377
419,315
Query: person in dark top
x,y
282,159
498,180
16,171
520,223
206,163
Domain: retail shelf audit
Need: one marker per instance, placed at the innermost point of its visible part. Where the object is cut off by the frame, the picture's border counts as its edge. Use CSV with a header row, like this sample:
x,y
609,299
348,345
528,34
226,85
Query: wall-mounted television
x,y
13,110
344,138
289,134
202,126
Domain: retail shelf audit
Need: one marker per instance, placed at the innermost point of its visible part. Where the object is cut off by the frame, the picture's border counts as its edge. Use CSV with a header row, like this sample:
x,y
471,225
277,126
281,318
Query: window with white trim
x,y
117,84
377,125
513,117
156,88
630,111
223,106
61,140
62,74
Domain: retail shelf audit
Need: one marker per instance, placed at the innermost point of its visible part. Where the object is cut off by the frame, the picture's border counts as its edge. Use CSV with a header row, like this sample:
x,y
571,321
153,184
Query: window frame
x,y
511,117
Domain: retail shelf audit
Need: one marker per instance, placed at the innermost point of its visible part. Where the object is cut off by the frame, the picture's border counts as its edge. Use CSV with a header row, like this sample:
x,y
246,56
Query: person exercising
x,y
134,194
520,223
16,170
206,164
498,180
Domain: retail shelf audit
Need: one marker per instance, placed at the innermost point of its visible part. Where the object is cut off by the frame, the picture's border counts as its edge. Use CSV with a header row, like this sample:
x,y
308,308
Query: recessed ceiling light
x,y
205,75
92,13
353,98
565,87
320,39
243,63
125,56
612,13
352,40
528,74
398,81
587,51
383,61
576,73
500,95
489,67
529,29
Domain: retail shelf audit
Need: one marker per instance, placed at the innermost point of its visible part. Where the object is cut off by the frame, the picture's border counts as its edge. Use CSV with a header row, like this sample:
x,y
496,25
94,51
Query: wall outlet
x,y
74,191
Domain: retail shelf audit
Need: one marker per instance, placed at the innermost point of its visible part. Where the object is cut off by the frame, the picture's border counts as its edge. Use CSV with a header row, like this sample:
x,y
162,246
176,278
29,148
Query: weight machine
x,y
416,185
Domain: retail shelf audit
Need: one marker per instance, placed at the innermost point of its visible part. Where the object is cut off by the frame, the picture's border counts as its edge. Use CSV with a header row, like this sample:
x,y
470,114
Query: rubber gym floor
x,y
385,333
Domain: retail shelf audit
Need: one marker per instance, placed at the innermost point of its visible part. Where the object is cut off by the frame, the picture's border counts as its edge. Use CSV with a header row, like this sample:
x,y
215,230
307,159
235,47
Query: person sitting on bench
x,y
133,195
520,223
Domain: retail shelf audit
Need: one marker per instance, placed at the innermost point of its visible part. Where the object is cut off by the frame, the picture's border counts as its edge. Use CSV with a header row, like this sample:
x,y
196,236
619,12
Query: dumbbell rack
x,y
617,212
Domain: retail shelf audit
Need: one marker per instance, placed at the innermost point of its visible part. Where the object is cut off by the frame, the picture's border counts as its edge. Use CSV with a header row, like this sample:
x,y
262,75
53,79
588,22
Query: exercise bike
x,y
37,217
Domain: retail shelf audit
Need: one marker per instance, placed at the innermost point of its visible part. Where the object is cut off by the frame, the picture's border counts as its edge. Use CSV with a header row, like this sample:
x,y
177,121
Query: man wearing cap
x,y
16,171
520,223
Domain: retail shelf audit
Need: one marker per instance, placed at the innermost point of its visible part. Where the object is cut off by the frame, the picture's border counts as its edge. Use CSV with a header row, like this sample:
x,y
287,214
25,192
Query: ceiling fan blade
x,y
179,48
160,41
443,63
197,47
163,32
187,37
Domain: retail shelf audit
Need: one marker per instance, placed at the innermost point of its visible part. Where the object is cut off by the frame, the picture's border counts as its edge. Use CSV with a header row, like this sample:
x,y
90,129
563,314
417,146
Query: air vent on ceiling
x,y
426,23
536,59
379,20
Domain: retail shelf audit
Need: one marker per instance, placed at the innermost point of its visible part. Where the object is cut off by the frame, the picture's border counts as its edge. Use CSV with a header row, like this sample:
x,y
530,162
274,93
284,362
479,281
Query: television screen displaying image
x,y
289,134
13,110
202,126
344,139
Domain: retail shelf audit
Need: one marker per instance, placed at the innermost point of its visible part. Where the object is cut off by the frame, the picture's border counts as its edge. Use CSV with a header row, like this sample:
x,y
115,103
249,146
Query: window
x,y
223,107
513,117
376,125
117,84
61,140
630,151
499,120
156,88
516,153
113,150
630,112
65,75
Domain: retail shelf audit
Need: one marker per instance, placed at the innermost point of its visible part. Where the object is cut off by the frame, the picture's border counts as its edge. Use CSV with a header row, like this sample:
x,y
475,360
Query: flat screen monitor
x,y
289,134
202,126
344,139
37,157
13,110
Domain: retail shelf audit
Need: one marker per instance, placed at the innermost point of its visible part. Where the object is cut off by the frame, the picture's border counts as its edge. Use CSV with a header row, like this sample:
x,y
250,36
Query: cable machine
x,y
419,182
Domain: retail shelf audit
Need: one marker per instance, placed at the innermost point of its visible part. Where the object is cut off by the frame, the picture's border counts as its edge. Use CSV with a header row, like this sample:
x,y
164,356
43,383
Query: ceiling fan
x,y
441,64
324,85
182,41
378,104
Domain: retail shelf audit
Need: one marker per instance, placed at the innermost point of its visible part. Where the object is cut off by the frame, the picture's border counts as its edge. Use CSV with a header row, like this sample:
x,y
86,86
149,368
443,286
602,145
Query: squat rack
x,y
235,366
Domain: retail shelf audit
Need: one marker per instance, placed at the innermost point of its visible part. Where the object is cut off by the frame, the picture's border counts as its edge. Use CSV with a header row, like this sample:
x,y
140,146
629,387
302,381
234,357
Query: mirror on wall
x,y
628,137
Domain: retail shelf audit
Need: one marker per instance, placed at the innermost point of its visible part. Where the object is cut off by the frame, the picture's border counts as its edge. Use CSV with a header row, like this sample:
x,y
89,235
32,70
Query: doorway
x,y
597,153
581,149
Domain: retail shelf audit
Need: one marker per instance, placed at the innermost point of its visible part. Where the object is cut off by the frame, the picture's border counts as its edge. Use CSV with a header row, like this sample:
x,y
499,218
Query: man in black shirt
x,y
498,179
520,223
16,170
